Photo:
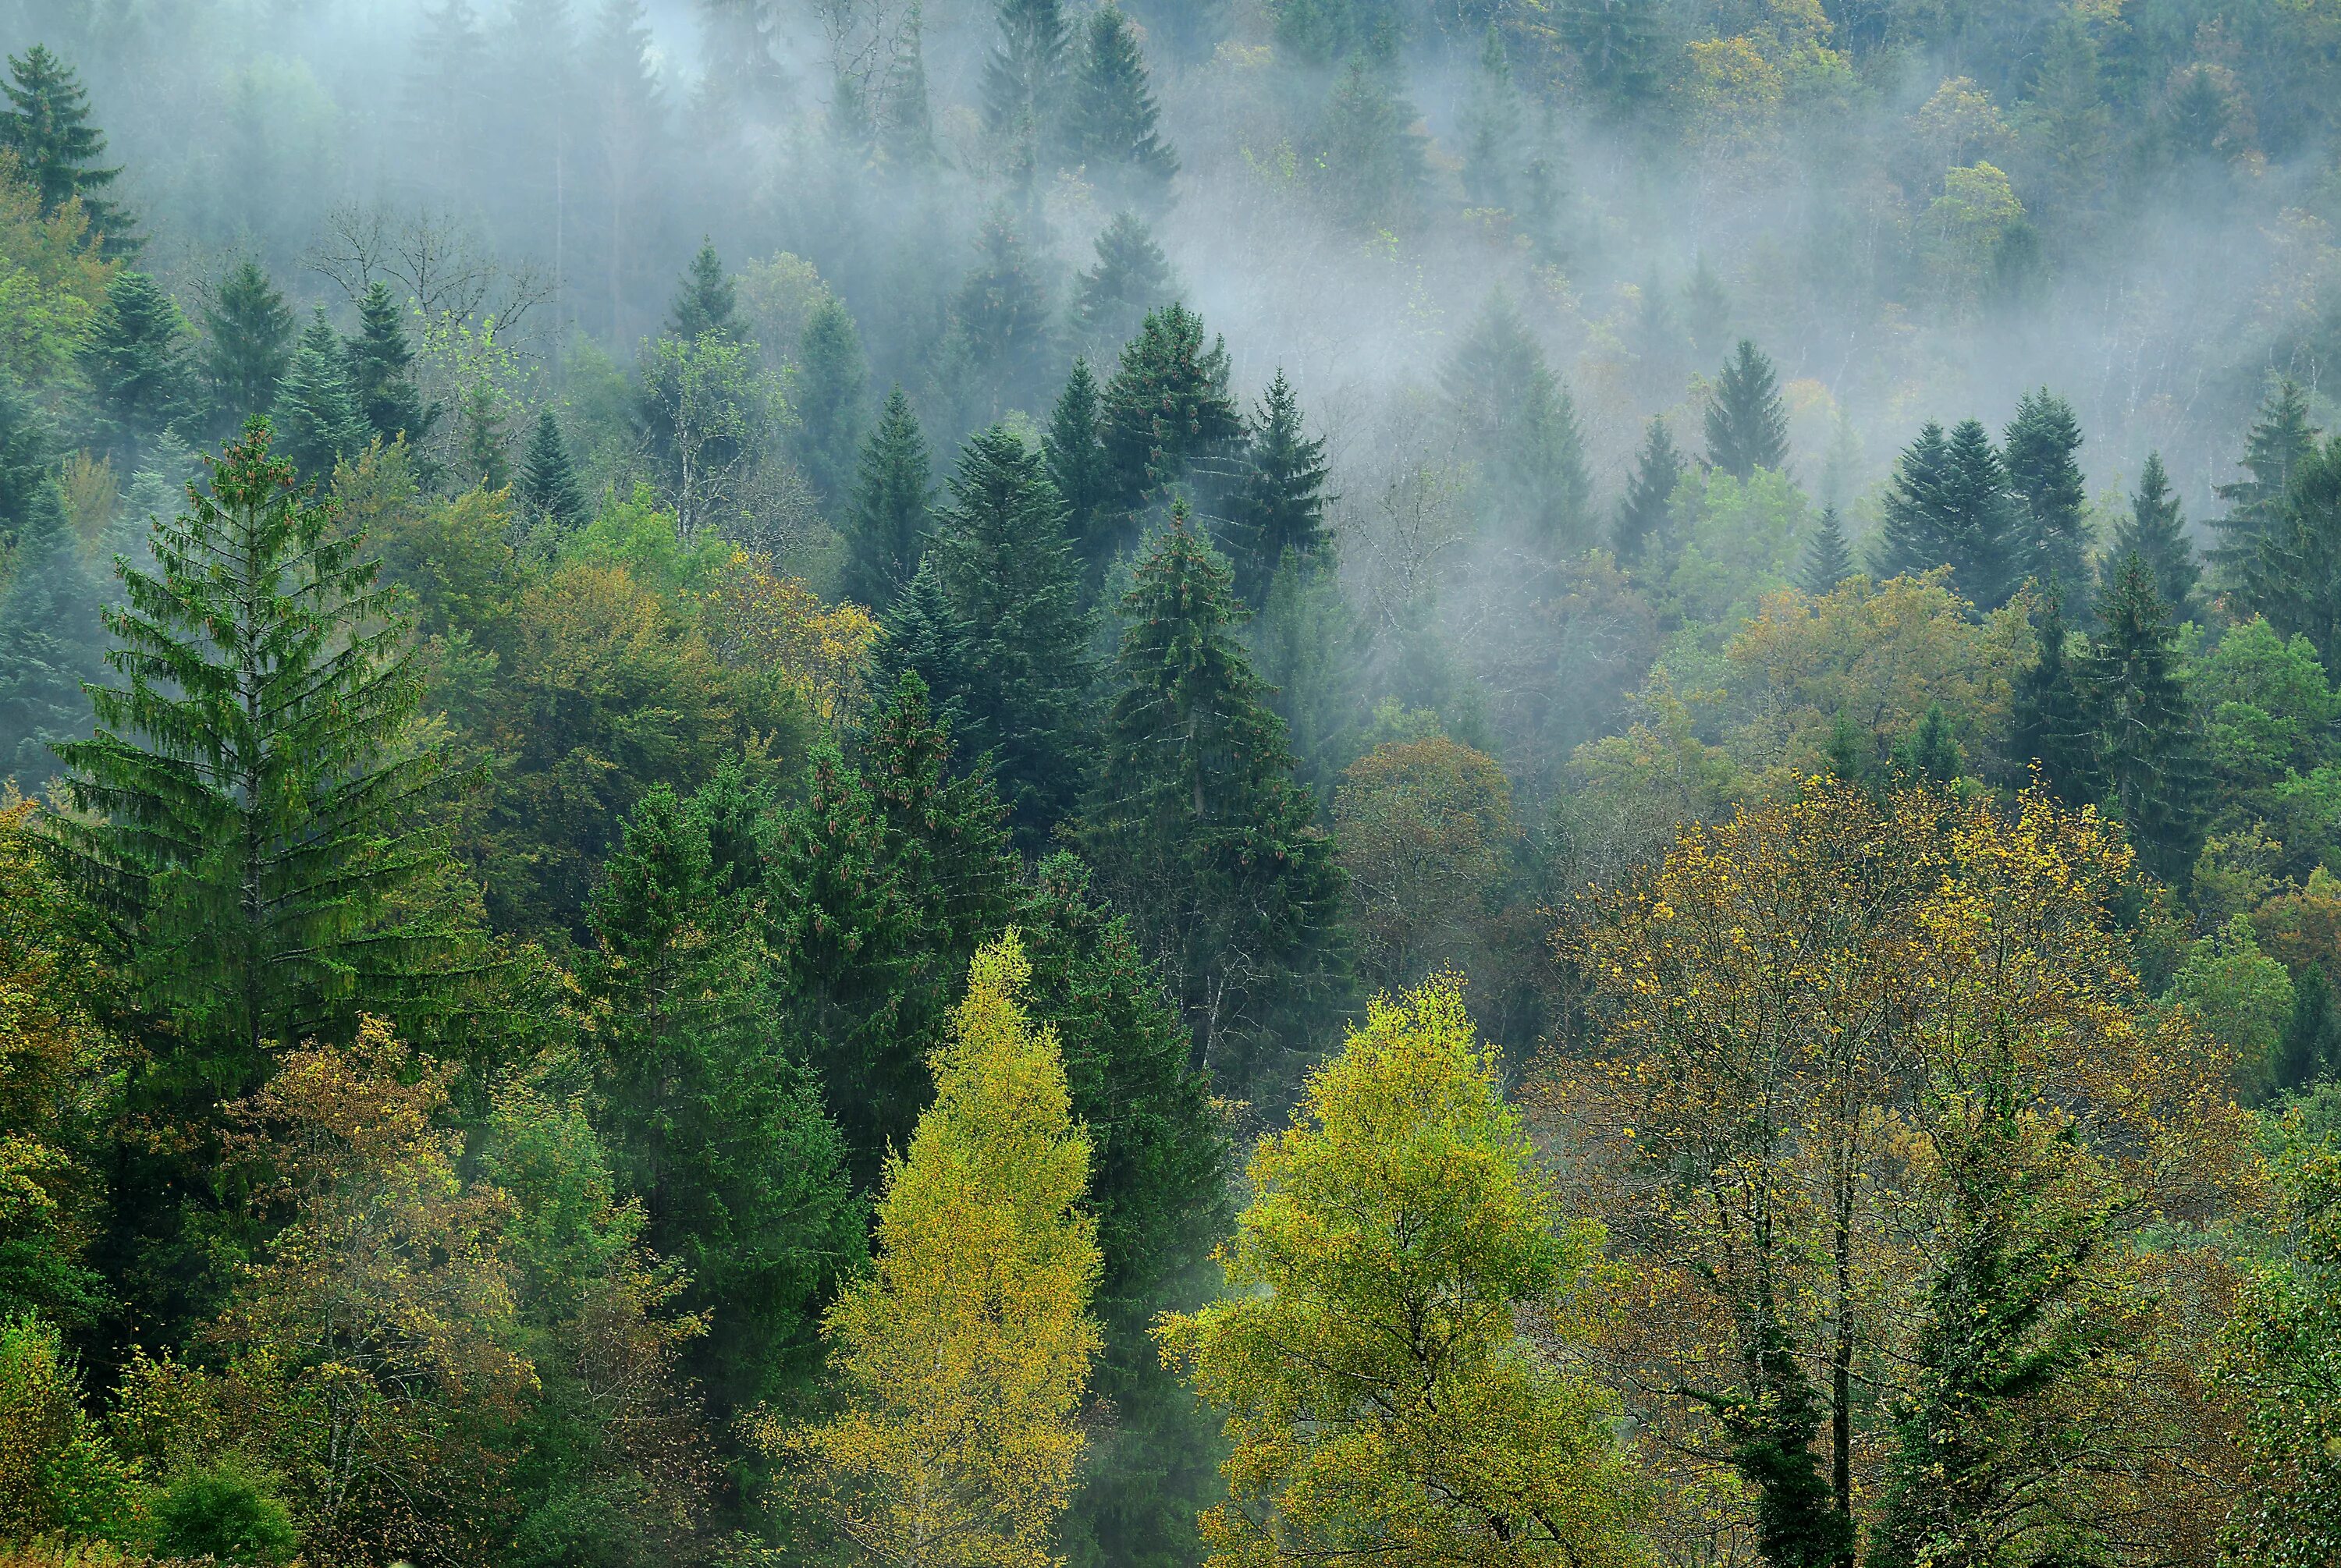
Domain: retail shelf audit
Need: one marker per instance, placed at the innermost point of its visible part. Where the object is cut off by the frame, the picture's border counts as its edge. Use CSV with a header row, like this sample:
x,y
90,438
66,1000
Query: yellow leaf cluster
x,y
764,621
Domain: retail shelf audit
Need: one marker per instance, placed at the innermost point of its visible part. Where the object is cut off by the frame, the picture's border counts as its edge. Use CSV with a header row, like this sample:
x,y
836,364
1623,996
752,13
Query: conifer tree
x,y
2291,573
1623,46
1111,122
484,437
827,396
964,1353
2281,438
1077,466
381,370
1705,307
316,416
887,525
2155,774
1491,128
137,362
1198,828
46,125
1167,417
1950,507
706,298
1520,423
1642,513
1024,78
906,128
29,449
51,641
1008,575
922,636
2051,722
1746,427
2156,531
2049,494
1278,512
1829,559
1000,318
548,482
248,343
1131,276
1374,166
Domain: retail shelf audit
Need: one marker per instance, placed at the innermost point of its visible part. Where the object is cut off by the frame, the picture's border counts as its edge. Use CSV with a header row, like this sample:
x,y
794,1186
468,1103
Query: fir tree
x,y
1200,831
1000,318
2155,776
1829,559
2051,725
248,343
704,303
381,370
2281,439
1112,119
1642,514
317,415
1518,422
1950,507
1025,79
1746,427
548,483
922,636
1278,512
2291,573
1077,466
1374,167
887,525
46,125
2049,492
827,394
51,642
137,362
1167,416
2156,531
1131,276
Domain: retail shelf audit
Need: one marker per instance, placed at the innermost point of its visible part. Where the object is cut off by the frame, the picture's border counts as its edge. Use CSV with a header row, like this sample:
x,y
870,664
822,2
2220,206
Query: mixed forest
x,y
1171,783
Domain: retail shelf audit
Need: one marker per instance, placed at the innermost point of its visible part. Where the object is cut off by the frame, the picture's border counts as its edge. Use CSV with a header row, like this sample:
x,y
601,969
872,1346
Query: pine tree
x,y
1518,422
1746,427
316,416
1111,122
46,125
381,370
1642,513
1829,559
1000,318
705,301
137,362
2281,438
1278,512
2051,725
248,343
51,641
887,525
2049,492
1373,163
1167,417
1950,507
1025,79
2155,776
1132,277
548,483
1008,577
2291,573
1200,831
1077,466
2156,531
827,395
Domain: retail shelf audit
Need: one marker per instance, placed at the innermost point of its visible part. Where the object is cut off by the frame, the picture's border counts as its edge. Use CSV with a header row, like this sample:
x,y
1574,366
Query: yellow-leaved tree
x,y
1380,1394
964,1350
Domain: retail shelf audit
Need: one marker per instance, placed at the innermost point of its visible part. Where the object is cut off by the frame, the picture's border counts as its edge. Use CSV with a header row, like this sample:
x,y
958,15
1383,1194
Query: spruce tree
x,y
46,125
827,394
548,482
705,301
1077,466
2281,438
1199,829
2154,775
2156,531
2051,724
248,343
484,441
1623,46
1278,511
1746,427
1111,122
1001,319
29,450
2051,494
1642,514
887,525
1829,559
51,641
382,369
316,415
1131,276
1374,166
135,359
1167,416
1950,507
1518,422
2291,573
922,636
1491,129
1025,79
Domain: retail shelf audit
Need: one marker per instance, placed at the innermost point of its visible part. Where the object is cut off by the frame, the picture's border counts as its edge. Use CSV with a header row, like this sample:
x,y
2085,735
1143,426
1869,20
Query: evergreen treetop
x,y
706,300
316,417
1131,277
1167,408
1642,512
1112,125
886,526
46,125
1520,424
248,343
50,643
2292,572
2045,482
827,394
1829,559
548,482
381,370
137,363
1950,507
2052,727
1746,426
1024,78
1375,163
1278,510
2150,749
2155,531
1077,465
2281,438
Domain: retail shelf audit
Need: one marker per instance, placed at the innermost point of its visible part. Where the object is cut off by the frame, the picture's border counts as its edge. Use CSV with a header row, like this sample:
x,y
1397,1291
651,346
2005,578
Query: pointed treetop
x,y
1746,425
46,125
704,303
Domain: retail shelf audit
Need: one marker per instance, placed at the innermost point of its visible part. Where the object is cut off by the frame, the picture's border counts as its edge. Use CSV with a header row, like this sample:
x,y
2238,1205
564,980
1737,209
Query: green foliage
x,y
1000,321
2291,572
2156,531
1111,123
28,454
58,1475
317,419
1371,160
247,344
2053,726
1519,425
1024,78
1129,278
1746,427
51,641
224,1513
705,300
548,486
2156,779
2050,496
827,395
886,527
2243,997
1828,557
1950,506
1077,466
46,127
381,370
1166,419
1642,510
138,365
1278,510
2281,440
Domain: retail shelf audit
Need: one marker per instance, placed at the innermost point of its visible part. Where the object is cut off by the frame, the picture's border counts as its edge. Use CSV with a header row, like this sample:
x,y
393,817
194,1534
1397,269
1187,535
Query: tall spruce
x,y
1278,510
1077,466
1949,506
548,487
2156,531
922,636
2291,573
2052,726
1374,164
317,415
381,370
247,344
706,300
2051,494
1491,128
831,379
887,525
1828,557
137,362
2281,438
2156,776
1518,424
51,642
1168,420
1112,125
46,125
1746,425
999,320
1200,831
1025,79
1642,513
1131,277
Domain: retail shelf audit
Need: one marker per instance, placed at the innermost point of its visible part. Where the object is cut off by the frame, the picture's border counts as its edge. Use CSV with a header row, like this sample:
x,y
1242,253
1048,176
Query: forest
x,y
1169,783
